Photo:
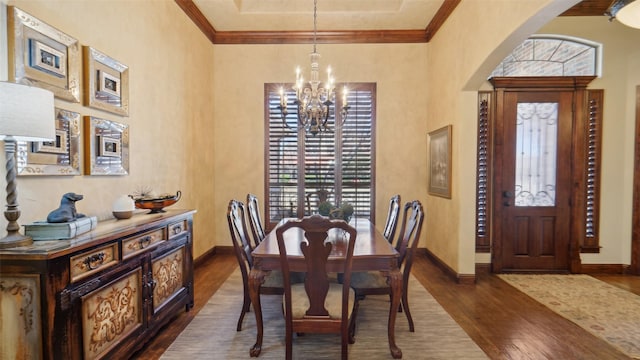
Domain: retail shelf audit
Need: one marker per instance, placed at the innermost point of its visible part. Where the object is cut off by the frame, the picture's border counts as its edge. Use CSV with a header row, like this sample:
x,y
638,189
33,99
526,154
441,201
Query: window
x,y
552,55
340,163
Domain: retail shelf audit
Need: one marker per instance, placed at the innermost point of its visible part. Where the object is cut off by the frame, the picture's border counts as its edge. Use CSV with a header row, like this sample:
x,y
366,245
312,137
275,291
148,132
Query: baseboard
x,y
594,269
463,279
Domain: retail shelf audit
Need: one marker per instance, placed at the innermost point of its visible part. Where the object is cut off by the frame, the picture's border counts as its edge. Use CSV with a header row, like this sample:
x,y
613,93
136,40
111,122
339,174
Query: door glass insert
x,y
536,153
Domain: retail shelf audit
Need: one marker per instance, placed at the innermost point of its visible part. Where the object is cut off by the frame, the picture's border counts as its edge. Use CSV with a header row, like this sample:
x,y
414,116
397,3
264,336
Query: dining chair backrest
x,y
255,222
409,234
239,236
242,248
317,285
392,218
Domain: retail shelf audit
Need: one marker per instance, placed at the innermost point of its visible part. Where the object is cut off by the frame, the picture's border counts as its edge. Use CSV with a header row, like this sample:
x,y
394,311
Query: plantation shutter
x,y
339,162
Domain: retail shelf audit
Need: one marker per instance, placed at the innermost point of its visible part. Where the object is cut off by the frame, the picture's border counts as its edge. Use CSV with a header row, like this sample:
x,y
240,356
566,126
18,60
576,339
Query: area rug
x,y
212,333
604,310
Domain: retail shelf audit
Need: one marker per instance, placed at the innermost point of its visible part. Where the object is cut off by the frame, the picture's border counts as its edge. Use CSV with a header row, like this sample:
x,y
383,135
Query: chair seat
x,y
368,280
333,302
274,278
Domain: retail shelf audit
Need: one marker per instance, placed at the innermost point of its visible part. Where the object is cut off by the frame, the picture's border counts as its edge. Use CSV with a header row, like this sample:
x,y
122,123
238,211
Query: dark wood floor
x,y
504,322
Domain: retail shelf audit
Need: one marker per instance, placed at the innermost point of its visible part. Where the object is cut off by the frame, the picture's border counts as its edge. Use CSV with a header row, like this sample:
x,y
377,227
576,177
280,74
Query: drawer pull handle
x,y
177,229
94,261
144,240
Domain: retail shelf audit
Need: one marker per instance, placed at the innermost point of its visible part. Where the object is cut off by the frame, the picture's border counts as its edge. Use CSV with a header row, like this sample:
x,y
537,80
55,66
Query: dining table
x,y
372,252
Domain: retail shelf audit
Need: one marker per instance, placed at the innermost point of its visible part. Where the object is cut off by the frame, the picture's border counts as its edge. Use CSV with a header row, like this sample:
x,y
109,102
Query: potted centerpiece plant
x,y
342,212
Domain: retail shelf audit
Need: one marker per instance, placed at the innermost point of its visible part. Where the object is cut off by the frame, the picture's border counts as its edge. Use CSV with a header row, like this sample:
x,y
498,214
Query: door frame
x,y
635,222
578,85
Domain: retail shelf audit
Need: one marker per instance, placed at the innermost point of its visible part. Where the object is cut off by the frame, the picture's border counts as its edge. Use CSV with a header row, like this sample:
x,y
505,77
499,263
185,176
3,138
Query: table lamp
x,y
26,114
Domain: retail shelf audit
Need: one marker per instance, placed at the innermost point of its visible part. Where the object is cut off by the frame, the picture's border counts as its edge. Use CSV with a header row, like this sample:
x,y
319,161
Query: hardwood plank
x,y
504,322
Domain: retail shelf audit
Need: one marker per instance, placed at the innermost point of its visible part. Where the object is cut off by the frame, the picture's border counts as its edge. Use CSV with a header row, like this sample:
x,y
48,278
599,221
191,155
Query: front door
x,y
533,163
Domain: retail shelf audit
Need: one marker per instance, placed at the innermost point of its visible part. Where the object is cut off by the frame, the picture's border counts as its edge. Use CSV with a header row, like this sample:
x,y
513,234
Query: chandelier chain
x,y
315,26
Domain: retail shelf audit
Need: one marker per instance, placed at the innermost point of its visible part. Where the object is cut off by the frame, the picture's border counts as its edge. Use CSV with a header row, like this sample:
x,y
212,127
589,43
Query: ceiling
x,y
338,21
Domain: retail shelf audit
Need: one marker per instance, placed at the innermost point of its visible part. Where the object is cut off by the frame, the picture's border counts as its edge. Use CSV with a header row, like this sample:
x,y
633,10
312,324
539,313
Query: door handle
x,y
506,195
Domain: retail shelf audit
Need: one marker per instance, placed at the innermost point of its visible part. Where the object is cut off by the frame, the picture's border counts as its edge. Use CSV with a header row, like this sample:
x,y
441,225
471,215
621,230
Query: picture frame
x,y
43,56
106,82
106,147
58,157
439,177
60,145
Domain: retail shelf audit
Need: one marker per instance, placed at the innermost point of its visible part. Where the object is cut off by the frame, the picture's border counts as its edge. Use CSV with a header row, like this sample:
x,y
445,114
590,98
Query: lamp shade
x,y
630,14
26,113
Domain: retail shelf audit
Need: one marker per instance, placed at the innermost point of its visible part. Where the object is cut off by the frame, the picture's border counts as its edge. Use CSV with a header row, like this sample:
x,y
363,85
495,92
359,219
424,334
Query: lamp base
x,y
14,240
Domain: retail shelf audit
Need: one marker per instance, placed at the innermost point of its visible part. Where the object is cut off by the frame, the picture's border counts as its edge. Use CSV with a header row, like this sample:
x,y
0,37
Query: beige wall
x,y
171,111
400,73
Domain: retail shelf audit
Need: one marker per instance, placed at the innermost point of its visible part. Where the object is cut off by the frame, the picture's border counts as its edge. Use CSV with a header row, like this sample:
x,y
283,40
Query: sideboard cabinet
x,y
100,295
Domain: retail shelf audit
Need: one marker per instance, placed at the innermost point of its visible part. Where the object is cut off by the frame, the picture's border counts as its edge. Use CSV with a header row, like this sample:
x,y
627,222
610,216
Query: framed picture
x,y
41,55
440,162
60,145
106,82
106,147
57,157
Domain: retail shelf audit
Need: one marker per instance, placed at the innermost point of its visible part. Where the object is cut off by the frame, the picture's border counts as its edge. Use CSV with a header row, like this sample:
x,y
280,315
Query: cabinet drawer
x,y
177,228
90,262
145,241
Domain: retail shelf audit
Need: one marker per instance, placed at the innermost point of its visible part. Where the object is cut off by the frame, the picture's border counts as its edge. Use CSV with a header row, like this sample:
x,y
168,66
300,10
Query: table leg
x,y
395,282
256,279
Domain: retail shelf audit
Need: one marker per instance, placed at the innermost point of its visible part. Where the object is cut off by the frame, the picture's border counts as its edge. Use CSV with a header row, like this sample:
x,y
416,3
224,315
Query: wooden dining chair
x,y
392,218
319,305
374,282
242,248
255,222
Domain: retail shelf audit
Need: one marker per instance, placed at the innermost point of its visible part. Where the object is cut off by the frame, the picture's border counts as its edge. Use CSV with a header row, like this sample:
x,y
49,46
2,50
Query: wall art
x,y
106,82
440,162
106,147
43,56
57,157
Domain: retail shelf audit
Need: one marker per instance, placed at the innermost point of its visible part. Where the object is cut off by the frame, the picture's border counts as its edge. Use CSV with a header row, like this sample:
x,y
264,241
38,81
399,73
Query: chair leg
x,y
289,345
352,331
352,322
405,305
345,348
246,303
399,307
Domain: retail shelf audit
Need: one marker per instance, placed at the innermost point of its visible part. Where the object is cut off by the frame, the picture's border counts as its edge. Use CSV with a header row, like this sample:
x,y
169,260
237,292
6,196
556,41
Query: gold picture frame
x,y
43,56
440,162
106,147
106,82
57,157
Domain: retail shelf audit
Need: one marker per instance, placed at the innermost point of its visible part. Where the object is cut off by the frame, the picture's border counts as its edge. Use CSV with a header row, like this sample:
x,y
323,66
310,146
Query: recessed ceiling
x,y
297,15
338,21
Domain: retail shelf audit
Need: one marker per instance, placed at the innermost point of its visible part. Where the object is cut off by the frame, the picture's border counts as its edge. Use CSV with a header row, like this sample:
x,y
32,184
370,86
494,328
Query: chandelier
x,y
314,99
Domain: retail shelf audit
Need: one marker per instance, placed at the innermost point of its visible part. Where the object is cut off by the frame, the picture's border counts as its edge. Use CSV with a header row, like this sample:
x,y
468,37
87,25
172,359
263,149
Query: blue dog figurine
x,y
67,210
